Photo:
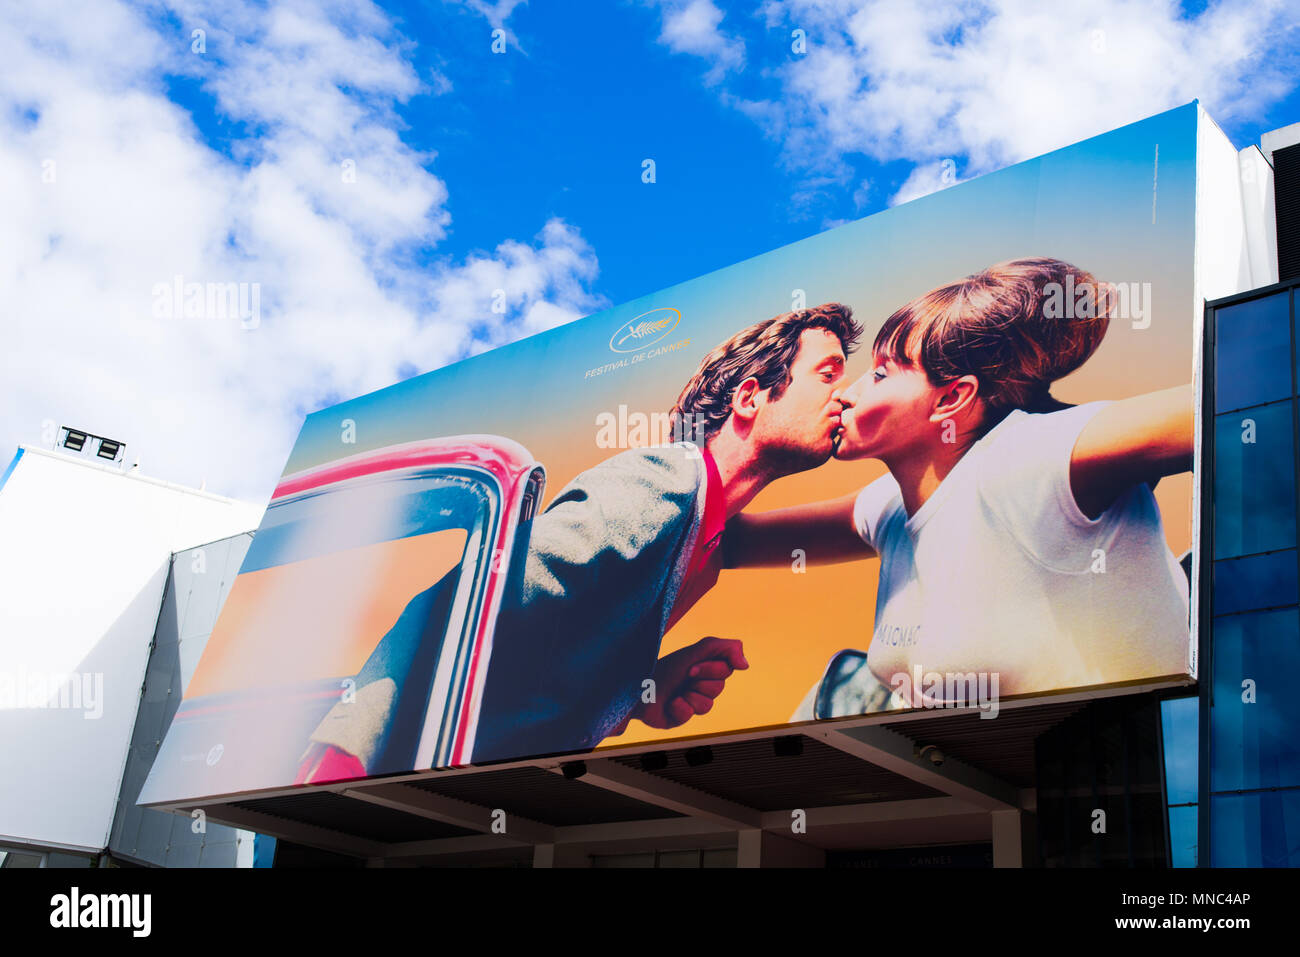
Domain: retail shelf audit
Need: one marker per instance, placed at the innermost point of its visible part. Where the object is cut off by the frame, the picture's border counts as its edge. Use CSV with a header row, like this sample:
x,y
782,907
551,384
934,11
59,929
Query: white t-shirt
x,y
1000,572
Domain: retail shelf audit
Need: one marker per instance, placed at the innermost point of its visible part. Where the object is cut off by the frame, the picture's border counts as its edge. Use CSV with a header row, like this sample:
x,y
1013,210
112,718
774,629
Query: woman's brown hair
x,y
1017,327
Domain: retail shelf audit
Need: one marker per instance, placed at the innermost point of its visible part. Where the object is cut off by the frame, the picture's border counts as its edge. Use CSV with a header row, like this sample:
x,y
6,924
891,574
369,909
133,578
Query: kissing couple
x,y
998,506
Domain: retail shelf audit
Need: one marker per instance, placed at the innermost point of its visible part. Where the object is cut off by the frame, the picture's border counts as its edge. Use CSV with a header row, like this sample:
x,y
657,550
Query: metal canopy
x,y
863,781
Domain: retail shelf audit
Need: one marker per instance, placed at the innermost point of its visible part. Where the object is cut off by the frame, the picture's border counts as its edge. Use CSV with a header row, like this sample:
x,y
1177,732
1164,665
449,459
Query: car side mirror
x,y
848,687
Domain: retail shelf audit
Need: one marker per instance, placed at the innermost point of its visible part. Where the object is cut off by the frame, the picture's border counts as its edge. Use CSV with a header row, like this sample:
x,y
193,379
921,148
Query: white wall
x,y
84,554
192,602
1236,242
1235,251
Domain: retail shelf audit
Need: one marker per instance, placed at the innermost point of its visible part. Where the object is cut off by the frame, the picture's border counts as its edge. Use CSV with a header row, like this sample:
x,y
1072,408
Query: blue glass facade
x,y
1178,722
1248,779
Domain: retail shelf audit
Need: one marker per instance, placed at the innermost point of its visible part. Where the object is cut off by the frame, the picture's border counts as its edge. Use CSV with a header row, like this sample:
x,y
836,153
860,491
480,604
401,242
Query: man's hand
x,y
687,681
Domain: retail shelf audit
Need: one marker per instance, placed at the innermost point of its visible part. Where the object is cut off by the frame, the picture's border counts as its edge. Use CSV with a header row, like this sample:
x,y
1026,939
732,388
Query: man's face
x,y
885,411
797,431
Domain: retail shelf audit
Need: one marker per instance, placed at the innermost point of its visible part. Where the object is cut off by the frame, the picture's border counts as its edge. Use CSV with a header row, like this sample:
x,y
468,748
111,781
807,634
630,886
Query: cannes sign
x,y
645,330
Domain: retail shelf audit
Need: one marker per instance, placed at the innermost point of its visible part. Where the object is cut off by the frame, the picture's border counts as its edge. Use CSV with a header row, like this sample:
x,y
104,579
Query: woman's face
x,y
886,411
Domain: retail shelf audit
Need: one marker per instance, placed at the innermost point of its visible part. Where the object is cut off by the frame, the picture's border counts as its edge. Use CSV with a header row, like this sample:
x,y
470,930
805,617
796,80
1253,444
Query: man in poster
x,y
629,546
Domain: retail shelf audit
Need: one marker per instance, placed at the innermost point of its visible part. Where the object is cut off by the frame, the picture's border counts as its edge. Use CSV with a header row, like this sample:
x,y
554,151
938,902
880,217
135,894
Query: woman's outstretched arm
x,y
822,531
1129,442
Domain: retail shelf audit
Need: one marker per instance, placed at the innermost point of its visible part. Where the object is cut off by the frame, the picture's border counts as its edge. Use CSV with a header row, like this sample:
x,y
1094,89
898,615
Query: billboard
x,y
937,457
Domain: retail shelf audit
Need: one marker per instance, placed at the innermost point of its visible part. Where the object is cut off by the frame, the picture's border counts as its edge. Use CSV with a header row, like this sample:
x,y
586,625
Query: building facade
x,y
1147,774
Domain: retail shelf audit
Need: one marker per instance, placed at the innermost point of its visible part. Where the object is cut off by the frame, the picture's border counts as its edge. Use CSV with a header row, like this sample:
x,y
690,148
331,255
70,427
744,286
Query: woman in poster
x,y
1019,537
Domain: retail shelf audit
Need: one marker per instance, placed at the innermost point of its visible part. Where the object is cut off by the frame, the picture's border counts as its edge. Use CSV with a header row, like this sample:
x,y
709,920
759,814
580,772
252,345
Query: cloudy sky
x,y
405,184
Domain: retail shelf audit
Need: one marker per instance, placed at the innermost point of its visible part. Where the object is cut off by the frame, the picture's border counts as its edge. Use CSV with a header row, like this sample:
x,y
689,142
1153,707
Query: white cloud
x,y
497,13
695,27
925,179
992,83
862,194
349,300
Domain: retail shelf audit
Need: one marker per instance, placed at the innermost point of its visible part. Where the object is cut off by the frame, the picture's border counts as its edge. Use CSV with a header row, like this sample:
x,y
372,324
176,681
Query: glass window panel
x,y
1260,581
1254,481
1256,830
1179,718
1252,346
14,859
263,850
1182,836
1254,744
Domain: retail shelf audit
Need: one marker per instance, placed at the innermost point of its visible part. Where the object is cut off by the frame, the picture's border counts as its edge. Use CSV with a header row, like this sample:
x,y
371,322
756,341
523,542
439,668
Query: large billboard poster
x,y
937,457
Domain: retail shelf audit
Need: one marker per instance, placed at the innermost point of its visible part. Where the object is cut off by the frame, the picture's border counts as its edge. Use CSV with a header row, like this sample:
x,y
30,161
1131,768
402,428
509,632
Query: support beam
x,y
878,812
1006,838
544,855
749,848
438,807
657,829
674,828
1014,839
295,831
651,789
765,849
661,828
470,844
894,752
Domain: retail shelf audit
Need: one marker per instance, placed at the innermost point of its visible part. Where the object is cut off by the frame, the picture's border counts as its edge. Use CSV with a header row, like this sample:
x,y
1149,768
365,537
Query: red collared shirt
x,y
706,559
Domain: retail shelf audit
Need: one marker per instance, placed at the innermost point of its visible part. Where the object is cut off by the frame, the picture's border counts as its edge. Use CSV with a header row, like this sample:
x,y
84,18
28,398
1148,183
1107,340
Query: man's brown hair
x,y
1017,327
765,351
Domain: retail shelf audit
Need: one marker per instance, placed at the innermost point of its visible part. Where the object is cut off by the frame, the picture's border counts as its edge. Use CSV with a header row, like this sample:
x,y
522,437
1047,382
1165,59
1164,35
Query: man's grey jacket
x,y
575,641
604,566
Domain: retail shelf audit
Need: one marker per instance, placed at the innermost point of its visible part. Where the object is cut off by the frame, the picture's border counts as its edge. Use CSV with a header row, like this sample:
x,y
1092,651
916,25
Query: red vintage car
x,y
365,606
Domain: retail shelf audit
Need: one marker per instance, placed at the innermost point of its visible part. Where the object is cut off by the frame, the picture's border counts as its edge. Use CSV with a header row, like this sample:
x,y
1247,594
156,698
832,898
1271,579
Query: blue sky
x,y
142,151
562,129
559,124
